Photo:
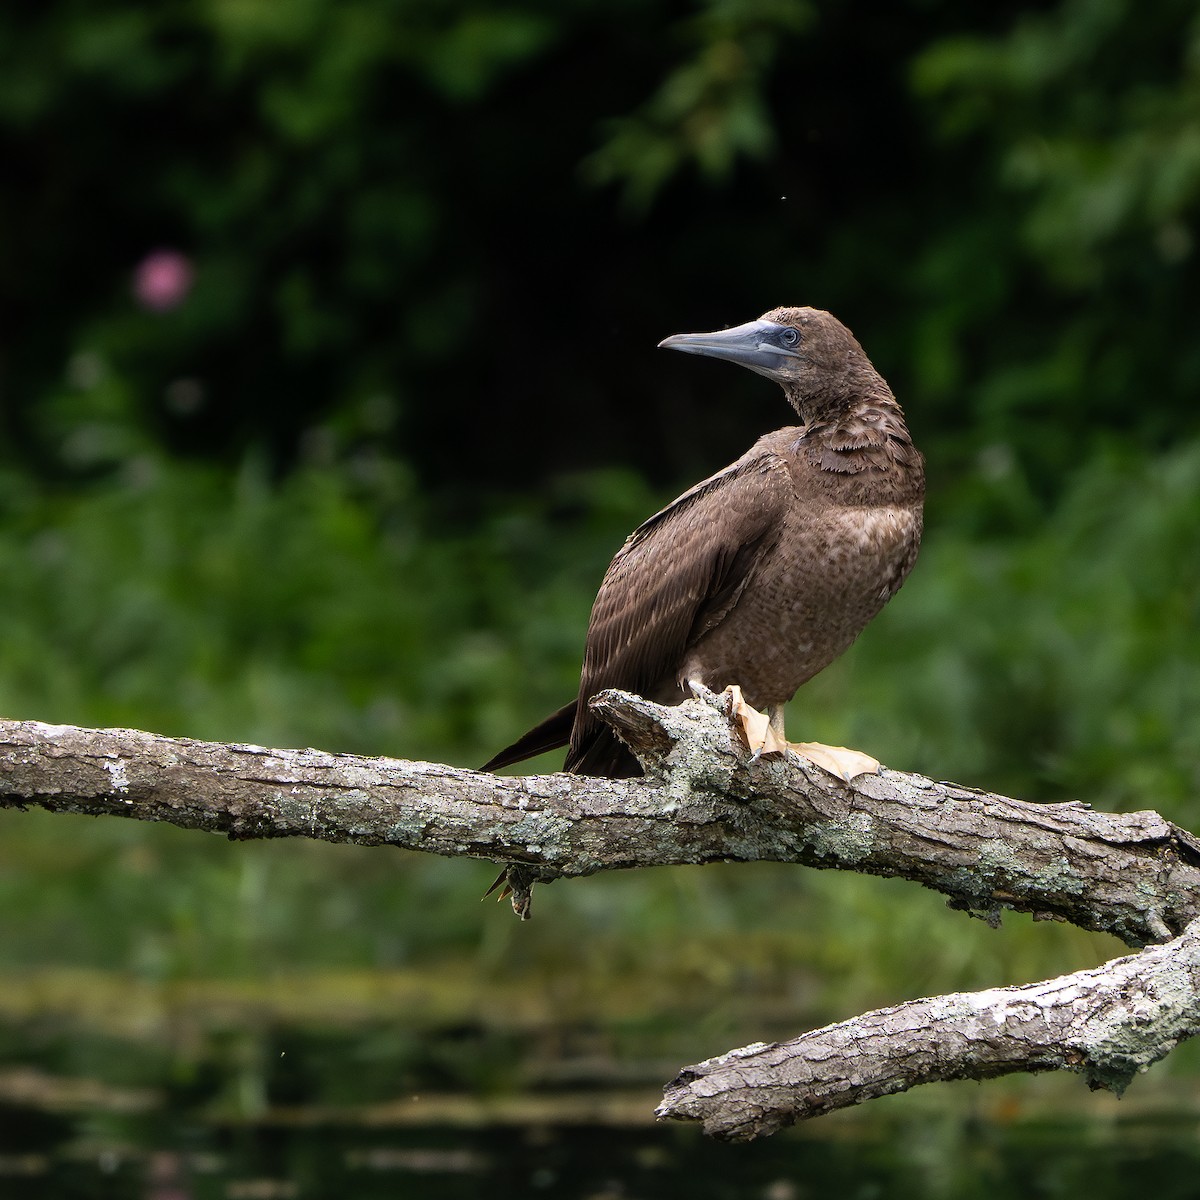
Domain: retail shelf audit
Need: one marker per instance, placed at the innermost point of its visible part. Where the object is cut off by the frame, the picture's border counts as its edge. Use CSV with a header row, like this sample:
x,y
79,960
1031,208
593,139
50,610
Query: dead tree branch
x,y
1108,1023
703,799
1135,875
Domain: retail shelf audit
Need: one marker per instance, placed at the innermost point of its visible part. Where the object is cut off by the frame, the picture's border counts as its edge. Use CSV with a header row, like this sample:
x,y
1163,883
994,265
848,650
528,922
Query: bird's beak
x,y
754,345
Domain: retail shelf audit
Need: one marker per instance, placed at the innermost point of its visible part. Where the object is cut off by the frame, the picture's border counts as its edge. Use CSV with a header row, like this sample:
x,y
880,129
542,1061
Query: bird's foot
x,y
517,884
756,726
757,729
763,736
846,764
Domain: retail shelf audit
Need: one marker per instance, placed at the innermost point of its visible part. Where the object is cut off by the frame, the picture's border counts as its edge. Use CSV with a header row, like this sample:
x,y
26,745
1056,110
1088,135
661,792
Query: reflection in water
x,y
265,1163
361,1116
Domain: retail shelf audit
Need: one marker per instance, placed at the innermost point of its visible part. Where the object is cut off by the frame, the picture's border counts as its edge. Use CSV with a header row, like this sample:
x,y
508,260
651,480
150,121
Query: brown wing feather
x,y
677,576
549,734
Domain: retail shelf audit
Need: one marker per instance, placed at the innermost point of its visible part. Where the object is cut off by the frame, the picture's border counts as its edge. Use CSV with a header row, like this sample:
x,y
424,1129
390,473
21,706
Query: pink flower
x,y
162,280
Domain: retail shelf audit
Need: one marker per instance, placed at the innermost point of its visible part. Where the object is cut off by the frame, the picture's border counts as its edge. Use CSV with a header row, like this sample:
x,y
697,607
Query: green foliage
x,y
323,610
710,110
357,487
483,210
1084,125
336,609
1103,140
1063,664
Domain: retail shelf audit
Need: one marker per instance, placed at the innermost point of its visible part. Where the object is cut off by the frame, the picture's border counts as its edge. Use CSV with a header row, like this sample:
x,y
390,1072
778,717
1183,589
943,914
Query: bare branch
x,y
1107,1023
1132,874
704,799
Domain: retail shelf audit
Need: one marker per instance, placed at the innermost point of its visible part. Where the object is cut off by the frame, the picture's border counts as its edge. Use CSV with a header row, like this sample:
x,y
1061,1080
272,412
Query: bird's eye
x,y
789,337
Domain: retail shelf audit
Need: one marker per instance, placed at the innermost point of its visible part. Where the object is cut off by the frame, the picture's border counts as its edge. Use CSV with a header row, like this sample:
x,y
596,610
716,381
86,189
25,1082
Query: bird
x,y
760,576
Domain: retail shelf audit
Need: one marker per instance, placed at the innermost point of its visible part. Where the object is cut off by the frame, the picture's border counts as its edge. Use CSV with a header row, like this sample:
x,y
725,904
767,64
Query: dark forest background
x,y
329,387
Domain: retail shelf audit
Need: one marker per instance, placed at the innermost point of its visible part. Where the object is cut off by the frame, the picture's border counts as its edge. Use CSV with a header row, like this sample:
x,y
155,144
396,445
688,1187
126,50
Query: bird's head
x,y
808,351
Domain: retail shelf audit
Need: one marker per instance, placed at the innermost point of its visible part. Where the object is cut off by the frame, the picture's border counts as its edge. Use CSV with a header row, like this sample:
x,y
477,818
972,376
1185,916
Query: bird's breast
x,y
867,551
827,576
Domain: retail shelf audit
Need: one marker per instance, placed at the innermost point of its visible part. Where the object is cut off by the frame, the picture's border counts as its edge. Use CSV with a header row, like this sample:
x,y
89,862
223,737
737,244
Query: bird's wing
x,y
549,734
677,576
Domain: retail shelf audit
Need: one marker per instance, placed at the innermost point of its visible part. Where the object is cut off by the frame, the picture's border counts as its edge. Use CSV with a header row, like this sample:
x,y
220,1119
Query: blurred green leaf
x,y
710,110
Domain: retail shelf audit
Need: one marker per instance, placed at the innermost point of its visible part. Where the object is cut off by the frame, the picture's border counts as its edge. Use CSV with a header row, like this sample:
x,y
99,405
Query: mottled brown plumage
x,y
765,572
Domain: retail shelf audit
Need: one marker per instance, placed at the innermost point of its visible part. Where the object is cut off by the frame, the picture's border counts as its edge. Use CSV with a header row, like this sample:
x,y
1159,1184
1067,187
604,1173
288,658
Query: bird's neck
x,y
824,398
859,431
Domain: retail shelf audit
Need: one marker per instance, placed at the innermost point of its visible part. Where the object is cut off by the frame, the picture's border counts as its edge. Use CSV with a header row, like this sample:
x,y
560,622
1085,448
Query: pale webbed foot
x,y
837,760
757,728
764,735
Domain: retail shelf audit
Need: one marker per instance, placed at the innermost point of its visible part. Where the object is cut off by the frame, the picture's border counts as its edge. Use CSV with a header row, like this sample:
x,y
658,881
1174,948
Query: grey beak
x,y
754,345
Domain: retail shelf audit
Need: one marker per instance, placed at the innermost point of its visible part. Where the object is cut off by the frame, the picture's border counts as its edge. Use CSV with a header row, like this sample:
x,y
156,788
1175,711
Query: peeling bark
x,y
1108,1023
703,799
1134,875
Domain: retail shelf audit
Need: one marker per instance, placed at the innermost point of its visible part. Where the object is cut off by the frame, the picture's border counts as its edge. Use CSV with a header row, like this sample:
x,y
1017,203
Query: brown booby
x,y
764,573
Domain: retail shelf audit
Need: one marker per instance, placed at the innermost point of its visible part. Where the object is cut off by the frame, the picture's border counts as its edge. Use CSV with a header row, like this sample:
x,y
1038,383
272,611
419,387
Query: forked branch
x,y
703,799
1107,1023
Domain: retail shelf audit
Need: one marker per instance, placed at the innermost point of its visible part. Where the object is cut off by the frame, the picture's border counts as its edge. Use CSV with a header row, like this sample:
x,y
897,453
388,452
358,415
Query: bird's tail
x,y
600,752
550,734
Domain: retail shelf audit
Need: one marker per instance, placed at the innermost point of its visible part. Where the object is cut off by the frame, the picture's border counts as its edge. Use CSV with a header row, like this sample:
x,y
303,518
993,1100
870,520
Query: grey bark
x,y
1107,1023
1135,875
703,799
